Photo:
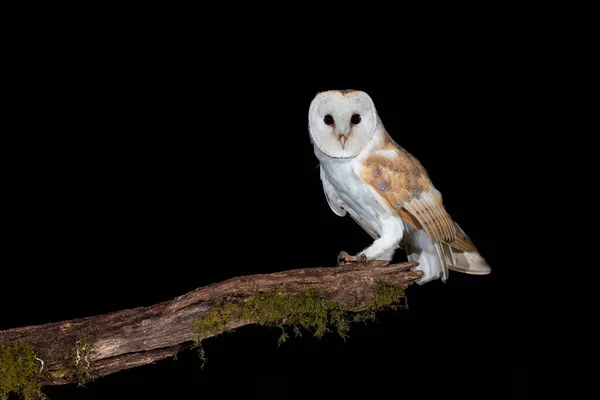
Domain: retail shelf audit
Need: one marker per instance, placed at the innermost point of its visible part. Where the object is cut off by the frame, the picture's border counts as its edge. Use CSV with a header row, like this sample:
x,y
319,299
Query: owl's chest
x,y
345,179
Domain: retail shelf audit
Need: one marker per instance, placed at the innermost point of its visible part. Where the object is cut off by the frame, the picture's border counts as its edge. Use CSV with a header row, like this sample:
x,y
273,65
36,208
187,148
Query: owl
x,y
386,190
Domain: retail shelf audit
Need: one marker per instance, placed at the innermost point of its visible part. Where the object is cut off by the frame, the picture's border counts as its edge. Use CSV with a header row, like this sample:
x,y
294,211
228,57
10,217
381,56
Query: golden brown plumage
x,y
400,179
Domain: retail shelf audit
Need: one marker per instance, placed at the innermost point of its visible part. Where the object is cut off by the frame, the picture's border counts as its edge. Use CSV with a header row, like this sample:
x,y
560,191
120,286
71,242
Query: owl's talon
x,y
363,259
344,258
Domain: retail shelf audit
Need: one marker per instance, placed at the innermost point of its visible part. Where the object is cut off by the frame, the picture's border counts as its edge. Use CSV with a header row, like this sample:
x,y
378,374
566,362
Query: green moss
x,y
19,372
307,310
388,295
304,311
78,364
216,320
212,324
385,296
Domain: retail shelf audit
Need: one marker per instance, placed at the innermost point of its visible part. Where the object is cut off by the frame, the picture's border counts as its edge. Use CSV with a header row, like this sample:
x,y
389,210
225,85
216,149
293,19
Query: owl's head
x,y
342,122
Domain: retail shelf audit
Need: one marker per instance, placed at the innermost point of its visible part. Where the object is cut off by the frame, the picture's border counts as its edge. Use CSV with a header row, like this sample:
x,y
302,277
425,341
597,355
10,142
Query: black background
x,y
145,169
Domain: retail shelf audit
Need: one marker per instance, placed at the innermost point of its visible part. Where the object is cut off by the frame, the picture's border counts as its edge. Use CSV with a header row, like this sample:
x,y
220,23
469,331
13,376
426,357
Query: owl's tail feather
x,y
461,255
462,261
435,259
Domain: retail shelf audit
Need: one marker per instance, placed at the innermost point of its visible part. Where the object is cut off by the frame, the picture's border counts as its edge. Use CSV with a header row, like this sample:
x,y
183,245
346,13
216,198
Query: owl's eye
x,y
355,119
328,119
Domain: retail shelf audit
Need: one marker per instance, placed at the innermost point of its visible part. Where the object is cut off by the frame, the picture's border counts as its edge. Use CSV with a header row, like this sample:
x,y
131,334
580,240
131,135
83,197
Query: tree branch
x,y
100,345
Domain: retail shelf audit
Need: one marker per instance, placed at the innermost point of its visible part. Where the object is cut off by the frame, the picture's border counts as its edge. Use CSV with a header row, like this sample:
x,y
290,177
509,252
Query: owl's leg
x,y
382,248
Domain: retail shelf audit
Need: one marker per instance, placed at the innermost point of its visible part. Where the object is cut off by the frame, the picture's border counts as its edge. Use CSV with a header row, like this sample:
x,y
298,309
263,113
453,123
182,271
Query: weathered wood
x,y
139,336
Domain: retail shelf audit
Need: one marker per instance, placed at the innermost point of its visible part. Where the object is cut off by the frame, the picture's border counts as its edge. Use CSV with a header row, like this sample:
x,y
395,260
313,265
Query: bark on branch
x,y
104,344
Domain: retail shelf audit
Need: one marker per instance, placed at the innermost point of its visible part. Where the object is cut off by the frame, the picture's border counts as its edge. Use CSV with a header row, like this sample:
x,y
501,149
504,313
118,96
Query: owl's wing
x,y
400,183
404,186
339,207
334,201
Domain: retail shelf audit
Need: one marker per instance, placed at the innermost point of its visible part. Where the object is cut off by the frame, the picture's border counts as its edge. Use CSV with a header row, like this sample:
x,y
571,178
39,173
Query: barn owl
x,y
384,189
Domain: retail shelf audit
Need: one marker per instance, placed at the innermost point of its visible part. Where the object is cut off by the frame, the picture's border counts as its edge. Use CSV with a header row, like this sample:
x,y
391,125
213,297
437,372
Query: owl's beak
x,y
343,136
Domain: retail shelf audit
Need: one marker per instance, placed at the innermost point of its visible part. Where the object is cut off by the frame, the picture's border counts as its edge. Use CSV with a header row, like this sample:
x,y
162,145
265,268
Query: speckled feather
x,y
400,179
